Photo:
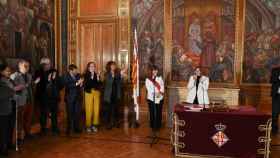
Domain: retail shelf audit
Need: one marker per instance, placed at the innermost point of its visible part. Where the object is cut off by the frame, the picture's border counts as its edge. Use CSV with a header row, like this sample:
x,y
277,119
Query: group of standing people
x,y
22,92
87,87
16,105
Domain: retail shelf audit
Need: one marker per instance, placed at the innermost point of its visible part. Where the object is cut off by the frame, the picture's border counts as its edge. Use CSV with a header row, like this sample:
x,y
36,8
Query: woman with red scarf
x,y
155,93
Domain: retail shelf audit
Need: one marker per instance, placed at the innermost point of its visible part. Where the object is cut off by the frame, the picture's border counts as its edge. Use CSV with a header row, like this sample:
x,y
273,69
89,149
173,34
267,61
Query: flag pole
x,y
135,82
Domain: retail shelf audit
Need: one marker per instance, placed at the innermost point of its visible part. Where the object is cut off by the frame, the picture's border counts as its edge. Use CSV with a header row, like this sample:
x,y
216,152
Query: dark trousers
x,y
111,113
46,108
43,115
195,100
155,114
20,122
6,131
53,108
27,117
275,111
73,115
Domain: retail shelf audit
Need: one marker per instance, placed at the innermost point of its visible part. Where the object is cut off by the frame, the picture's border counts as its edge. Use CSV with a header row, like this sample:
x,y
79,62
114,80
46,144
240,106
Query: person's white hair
x,y
45,60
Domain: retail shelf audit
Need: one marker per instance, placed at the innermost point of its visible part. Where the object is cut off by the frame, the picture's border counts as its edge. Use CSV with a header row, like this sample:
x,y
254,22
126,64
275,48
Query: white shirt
x,y
153,94
201,91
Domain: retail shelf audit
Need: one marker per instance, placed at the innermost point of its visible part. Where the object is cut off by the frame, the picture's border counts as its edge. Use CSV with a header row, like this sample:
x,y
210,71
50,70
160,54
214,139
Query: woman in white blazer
x,y
197,89
155,93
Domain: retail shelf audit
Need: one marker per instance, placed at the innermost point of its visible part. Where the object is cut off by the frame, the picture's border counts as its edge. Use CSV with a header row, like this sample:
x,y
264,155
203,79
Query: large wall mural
x,y
262,40
203,36
147,18
26,29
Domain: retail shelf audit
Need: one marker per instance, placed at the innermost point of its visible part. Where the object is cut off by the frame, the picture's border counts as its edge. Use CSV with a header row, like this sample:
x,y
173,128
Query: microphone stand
x,y
16,128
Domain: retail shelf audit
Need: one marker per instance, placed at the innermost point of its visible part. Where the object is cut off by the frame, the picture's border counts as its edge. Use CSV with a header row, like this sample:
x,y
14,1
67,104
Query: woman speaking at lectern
x,y
197,88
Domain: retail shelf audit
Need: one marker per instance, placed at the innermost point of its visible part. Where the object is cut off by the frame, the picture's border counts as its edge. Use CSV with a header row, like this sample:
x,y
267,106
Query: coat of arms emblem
x,y
220,138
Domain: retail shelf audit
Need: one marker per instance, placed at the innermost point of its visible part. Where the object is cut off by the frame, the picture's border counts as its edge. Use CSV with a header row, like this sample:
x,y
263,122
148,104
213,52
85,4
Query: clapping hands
x,y
19,87
80,82
98,76
124,72
37,80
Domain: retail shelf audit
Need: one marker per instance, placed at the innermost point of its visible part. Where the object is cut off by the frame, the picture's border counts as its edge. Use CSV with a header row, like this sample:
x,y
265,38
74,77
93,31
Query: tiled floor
x,y
117,143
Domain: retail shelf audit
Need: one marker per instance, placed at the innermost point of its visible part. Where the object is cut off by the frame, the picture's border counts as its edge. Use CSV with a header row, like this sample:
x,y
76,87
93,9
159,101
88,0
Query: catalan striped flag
x,y
135,75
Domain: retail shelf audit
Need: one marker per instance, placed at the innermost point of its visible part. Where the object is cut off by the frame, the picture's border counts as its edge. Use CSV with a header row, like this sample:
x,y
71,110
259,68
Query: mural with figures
x,y
26,30
147,18
203,36
262,40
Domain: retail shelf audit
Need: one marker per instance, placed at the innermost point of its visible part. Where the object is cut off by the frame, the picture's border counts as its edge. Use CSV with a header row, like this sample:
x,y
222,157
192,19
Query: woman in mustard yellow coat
x,y
92,86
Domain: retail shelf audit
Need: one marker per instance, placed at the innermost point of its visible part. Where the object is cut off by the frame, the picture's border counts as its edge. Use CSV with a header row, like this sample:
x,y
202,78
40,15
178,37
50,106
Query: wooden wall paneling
x,y
98,8
97,43
86,45
257,95
109,48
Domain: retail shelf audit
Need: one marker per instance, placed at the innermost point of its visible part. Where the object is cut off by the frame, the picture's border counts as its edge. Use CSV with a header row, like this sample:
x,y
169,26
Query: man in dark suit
x,y
73,98
275,93
41,99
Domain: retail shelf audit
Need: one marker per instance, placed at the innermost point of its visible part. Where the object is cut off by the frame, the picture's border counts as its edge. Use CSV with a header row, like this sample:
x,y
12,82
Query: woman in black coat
x,y
112,94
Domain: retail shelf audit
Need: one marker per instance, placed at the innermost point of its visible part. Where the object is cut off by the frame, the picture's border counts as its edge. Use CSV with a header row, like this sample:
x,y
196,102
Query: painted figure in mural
x,y
146,48
182,65
43,8
275,43
43,44
4,46
221,71
142,7
29,3
148,4
267,39
208,56
3,11
194,38
260,40
22,20
158,51
33,45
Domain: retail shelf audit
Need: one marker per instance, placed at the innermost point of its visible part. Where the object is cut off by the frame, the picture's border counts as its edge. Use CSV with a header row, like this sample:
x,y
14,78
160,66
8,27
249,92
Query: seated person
x,y
198,88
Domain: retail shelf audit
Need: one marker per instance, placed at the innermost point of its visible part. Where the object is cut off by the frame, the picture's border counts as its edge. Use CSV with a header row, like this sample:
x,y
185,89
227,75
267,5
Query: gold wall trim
x,y
57,34
167,62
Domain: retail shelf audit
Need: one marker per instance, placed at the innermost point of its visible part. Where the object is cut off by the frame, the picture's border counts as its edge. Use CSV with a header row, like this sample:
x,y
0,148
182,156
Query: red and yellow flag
x,y
135,74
